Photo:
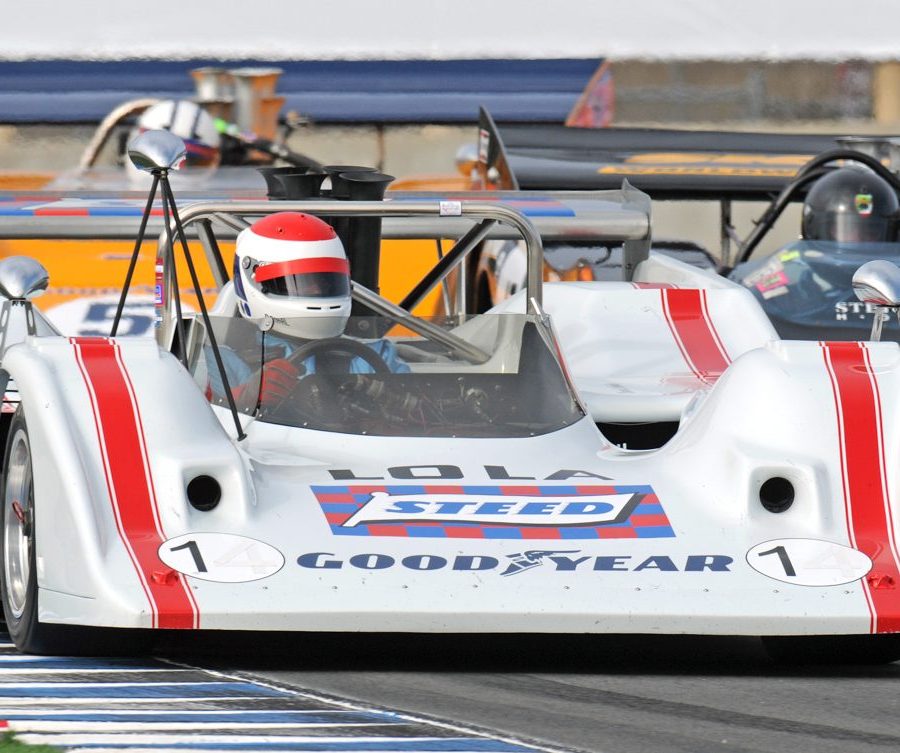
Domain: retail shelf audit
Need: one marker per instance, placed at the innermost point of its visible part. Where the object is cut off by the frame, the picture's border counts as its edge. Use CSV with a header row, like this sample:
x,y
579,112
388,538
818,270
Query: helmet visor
x,y
850,227
308,278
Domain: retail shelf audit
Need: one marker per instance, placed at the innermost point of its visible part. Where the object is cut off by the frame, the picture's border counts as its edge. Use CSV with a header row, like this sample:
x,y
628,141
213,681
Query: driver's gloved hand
x,y
278,378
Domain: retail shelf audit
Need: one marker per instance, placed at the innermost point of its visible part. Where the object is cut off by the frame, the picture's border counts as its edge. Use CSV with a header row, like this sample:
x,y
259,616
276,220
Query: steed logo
x,y
501,512
593,509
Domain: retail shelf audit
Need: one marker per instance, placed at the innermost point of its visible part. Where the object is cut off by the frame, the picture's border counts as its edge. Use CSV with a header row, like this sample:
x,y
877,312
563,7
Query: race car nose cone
x,y
157,150
22,277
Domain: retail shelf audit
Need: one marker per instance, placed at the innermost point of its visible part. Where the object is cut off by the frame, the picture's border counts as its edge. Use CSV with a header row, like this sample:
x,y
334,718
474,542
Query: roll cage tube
x,y
232,216
400,315
452,259
811,171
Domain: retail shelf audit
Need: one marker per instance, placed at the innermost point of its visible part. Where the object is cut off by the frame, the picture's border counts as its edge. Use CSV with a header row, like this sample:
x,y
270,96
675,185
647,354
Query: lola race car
x,y
638,456
725,180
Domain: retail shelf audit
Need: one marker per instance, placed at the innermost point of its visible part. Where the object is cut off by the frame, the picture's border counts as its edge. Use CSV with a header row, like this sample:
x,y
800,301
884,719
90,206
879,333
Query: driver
x,y
292,278
851,205
191,123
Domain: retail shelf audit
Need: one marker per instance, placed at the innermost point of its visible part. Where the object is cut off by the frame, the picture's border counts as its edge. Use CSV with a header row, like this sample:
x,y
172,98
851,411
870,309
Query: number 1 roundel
x,y
221,557
808,562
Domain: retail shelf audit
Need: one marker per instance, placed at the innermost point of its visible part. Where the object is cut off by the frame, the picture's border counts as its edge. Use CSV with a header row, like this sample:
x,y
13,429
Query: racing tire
x,y
18,574
833,650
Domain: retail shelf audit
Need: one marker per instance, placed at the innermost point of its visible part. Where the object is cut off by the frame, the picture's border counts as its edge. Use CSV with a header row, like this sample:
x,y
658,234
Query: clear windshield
x,y
874,249
382,379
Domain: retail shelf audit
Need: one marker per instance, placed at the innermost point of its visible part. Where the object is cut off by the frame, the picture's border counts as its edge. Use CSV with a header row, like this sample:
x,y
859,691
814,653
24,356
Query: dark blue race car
x,y
849,198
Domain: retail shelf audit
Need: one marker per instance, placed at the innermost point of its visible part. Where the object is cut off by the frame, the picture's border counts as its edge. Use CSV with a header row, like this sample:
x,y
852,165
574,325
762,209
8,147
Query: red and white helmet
x,y
292,268
191,123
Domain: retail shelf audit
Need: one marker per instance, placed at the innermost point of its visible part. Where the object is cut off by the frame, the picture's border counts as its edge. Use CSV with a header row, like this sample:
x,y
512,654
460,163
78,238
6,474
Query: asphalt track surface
x,y
604,694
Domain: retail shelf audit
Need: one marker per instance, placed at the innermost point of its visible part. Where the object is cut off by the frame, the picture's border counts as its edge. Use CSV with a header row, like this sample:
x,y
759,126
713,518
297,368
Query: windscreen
x,y
806,289
489,376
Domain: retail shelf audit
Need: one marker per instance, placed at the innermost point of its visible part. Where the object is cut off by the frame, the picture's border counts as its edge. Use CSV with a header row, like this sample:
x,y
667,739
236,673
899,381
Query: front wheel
x,y
18,574
18,577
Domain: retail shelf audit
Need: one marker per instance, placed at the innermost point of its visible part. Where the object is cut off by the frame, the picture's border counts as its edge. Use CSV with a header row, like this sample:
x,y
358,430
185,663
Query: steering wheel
x,y
316,397
340,346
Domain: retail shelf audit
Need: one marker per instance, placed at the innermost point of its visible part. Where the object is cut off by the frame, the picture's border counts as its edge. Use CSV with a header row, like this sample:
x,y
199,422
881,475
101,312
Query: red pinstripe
x,y
687,315
867,505
653,285
120,434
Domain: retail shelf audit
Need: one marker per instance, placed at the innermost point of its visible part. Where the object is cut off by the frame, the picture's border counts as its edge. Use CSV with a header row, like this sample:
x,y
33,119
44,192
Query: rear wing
x,y
666,163
622,214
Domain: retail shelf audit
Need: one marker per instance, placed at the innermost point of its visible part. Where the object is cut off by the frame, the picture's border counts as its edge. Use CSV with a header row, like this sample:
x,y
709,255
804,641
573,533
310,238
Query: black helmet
x,y
851,205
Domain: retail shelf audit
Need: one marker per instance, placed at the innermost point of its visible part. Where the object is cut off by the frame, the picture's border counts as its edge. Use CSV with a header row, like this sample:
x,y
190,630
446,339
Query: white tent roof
x,y
444,29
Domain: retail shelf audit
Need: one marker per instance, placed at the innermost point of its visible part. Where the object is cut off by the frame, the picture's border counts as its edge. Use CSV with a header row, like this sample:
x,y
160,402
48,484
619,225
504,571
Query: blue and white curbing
x,y
150,706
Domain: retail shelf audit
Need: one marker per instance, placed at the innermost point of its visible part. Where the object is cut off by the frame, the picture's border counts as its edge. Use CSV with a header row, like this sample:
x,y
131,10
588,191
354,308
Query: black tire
x,y
18,572
831,650
18,575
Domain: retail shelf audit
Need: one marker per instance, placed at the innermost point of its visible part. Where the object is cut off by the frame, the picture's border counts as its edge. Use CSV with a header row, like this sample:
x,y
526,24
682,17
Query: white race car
x,y
643,456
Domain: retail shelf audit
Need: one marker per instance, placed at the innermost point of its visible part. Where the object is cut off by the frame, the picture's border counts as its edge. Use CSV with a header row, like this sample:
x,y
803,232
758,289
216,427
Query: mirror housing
x,y
157,150
877,282
21,277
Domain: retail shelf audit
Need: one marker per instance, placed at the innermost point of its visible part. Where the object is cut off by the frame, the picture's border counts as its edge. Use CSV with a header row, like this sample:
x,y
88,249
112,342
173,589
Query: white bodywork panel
x,y
676,562
560,532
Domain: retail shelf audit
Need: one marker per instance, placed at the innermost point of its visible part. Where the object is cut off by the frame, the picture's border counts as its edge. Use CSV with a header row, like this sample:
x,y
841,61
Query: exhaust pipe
x,y
338,189
363,244
274,187
298,185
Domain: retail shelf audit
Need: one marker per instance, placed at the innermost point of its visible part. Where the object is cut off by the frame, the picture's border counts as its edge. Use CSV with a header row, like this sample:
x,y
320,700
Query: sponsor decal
x,y
847,310
747,172
221,557
552,560
809,562
771,280
484,145
494,511
863,203
522,561
93,317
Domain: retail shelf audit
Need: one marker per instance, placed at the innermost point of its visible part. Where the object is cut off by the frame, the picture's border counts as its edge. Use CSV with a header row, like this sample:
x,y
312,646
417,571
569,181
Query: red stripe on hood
x,y
694,332
867,503
129,482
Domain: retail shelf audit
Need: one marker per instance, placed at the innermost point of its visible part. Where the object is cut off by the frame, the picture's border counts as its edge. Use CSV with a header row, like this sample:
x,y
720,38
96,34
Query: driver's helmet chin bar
x,y
171,217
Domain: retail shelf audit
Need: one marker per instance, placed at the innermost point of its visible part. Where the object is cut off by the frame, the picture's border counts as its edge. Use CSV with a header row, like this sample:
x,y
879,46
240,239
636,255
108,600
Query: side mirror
x,y
157,150
22,277
877,282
